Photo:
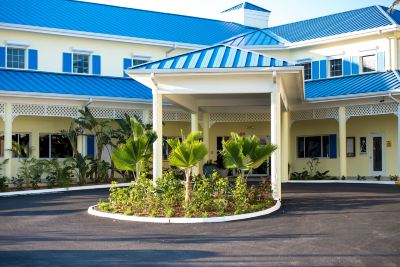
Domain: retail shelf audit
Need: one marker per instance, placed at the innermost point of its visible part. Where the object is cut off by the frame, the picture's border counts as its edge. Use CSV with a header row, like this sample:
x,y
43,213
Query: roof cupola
x,y
247,14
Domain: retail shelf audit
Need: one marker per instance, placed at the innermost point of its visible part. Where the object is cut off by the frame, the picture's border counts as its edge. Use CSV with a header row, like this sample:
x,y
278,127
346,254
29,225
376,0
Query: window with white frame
x,y
16,57
54,146
80,63
335,67
313,146
368,63
307,70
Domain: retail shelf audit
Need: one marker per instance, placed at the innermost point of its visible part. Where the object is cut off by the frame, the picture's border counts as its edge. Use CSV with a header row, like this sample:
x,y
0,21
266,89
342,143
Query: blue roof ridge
x,y
386,14
316,18
265,30
63,73
243,5
153,11
201,49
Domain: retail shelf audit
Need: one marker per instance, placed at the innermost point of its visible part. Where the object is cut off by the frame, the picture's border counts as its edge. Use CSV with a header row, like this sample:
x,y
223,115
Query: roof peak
x,y
246,5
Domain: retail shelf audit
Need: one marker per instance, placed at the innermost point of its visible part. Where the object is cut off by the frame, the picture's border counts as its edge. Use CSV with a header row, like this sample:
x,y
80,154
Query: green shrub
x,y
394,178
169,189
240,195
18,183
3,183
51,181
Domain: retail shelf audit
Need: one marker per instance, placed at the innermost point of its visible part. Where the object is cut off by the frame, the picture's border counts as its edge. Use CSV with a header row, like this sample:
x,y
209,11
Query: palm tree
x,y
132,155
245,153
393,6
185,155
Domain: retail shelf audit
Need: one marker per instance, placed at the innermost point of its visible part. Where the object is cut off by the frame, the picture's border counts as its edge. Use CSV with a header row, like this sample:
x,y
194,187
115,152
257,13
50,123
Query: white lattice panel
x,y
239,117
175,116
62,111
317,114
103,113
119,113
369,110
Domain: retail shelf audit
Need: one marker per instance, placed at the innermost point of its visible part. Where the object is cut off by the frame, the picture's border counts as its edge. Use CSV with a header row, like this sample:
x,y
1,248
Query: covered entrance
x,y
223,79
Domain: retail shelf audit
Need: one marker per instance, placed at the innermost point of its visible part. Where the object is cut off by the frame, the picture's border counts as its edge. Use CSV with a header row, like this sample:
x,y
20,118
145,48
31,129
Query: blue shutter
x,y
67,62
127,64
96,65
381,61
346,66
315,70
355,69
32,59
322,69
2,57
332,146
90,146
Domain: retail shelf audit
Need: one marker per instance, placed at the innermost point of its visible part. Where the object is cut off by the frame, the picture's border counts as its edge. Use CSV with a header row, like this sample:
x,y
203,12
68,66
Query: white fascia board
x,y
74,97
98,36
352,97
213,71
16,44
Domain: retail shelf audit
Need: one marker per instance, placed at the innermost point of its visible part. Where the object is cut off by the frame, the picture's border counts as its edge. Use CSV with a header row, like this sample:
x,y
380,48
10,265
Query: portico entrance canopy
x,y
228,79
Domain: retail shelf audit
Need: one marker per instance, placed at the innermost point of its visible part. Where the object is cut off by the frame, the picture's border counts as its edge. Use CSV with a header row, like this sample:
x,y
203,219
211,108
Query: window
x,y
313,146
20,145
54,146
351,146
307,70
15,58
335,67
368,63
136,61
80,63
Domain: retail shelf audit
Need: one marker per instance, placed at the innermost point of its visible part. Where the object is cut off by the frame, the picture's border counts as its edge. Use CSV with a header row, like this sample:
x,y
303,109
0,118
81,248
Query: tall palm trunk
x,y
188,174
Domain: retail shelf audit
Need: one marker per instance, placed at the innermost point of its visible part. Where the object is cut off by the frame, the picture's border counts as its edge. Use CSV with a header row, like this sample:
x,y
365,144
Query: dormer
x,y
248,15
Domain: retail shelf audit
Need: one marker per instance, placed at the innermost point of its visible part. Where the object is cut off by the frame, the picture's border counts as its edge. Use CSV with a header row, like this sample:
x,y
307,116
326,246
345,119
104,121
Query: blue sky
x,y
283,11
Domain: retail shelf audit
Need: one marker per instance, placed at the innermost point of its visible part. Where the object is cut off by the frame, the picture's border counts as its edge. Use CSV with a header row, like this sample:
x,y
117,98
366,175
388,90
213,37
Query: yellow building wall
x,y
356,127
51,47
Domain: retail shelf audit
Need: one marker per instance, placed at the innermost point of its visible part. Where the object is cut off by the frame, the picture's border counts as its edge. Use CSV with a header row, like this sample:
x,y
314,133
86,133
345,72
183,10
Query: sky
x,y
283,11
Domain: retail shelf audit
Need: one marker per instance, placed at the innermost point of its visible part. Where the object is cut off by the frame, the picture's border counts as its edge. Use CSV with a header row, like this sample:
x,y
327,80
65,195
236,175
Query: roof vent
x,y
248,15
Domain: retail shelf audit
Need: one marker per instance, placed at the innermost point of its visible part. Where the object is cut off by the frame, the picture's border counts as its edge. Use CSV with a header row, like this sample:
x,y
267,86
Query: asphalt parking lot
x,y
318,225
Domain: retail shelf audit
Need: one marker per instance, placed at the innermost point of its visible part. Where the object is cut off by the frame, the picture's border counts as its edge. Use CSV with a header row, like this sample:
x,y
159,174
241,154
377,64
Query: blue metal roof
x,y
219,56
340,23
352,85
262,37
72,84
246,5
120,21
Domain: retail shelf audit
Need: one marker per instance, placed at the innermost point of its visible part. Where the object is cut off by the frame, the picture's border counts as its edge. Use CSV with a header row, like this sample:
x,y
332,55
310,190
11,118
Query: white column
x,y
8,120
276,140
146,116
81,144
206,134
195,127
342,142
398,139
393,53
285,146
157,127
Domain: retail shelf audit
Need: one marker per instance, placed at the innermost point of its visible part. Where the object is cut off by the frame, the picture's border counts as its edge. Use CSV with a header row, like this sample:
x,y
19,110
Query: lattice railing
x,y
372,109
315,114
44,110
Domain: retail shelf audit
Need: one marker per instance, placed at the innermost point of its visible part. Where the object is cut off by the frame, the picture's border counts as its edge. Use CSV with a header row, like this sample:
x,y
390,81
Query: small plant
x,y
312,165
361,178
394,178
240,195
3,183
18,183
343,178
169,213
378,177
60,171
304,175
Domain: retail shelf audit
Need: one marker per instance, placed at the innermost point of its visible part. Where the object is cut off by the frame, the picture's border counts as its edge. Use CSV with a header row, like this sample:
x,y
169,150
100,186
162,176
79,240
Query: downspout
x,y
173,48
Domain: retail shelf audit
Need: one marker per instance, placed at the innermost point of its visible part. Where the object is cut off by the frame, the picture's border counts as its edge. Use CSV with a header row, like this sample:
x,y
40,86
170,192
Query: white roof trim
x,y
386,15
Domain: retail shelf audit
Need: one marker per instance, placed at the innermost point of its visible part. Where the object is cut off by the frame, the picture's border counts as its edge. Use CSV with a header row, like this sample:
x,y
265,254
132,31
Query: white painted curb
x,y
58,190
338,182
93,211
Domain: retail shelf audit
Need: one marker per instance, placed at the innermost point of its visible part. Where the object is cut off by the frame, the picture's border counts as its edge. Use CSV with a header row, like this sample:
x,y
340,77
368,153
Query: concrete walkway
x,y
318,225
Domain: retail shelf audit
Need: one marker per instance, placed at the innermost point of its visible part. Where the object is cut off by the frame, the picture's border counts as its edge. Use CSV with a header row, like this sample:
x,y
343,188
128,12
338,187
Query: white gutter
x,y
98,36
349,97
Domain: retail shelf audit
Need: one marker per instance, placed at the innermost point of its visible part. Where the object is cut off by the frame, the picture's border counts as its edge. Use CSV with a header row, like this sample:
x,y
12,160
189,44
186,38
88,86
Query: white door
x,y
377,154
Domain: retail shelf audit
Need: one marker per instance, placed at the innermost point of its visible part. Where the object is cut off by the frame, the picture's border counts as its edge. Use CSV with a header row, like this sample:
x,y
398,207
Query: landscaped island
x,y
183,193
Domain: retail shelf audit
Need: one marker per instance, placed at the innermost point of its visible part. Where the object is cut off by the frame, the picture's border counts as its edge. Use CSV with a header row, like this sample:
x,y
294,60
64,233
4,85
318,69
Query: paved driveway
x,y
318,225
